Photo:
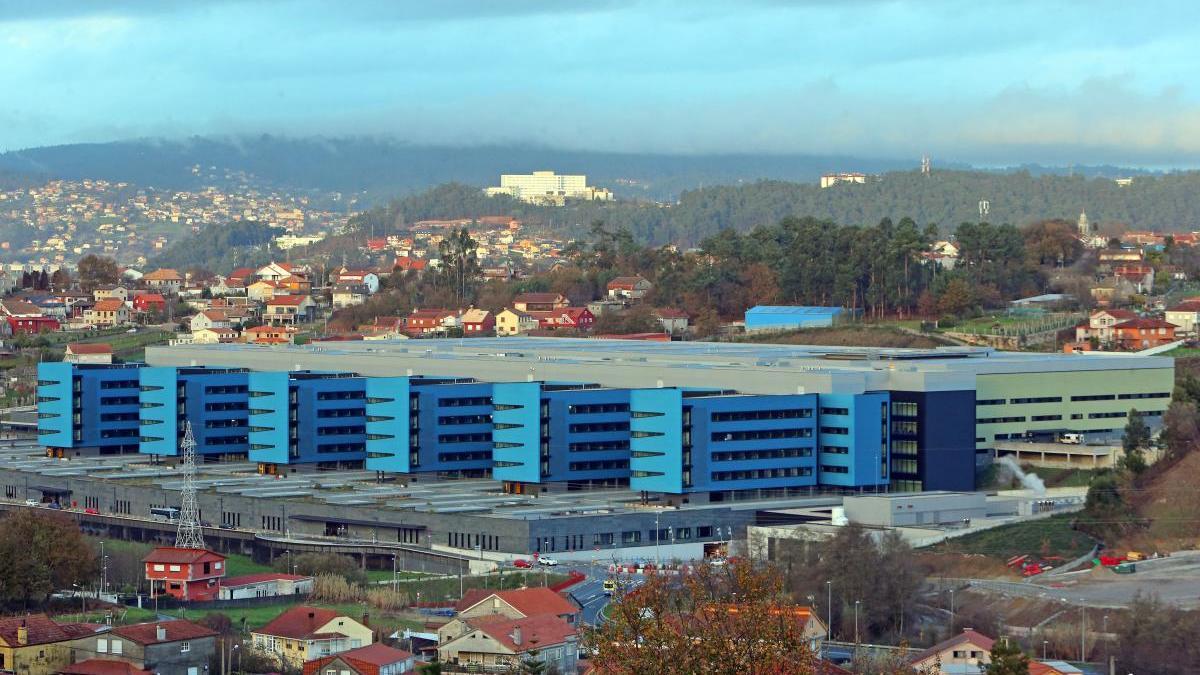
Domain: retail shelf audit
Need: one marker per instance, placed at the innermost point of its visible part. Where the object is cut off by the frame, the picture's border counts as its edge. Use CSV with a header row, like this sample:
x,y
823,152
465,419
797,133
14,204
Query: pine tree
x,y
1007,659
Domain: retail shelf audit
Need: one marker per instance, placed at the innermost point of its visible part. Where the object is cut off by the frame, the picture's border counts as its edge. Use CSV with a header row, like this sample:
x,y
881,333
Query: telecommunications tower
x,y
190,534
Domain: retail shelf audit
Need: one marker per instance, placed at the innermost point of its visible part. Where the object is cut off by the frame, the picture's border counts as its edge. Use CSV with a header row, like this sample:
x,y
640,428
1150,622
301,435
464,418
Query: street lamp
x,y
951,612
1045,643
103,570
829,608
395,581
856,604
657,540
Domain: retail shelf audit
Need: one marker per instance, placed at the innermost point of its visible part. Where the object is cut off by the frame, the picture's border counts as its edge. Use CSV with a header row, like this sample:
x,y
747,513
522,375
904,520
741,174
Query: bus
x,y
168,514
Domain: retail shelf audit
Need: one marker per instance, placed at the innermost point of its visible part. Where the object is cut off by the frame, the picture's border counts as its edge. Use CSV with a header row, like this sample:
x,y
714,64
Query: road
x,y
590,592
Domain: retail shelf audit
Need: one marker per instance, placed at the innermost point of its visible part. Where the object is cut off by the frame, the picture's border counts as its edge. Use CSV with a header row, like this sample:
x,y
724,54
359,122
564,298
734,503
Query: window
x,y
1045,418
840,431
746,415
904,427
904,408
1094,397
117,647
175,568
999,420
101,646
991,401
838,411
904,448
160,568
185,646
834,469
1039,399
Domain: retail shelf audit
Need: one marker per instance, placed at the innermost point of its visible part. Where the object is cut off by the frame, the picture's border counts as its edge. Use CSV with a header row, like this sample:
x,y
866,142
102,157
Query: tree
x,y
61,279
732,619
1137,437
459,261
40,553
96,271
1007,659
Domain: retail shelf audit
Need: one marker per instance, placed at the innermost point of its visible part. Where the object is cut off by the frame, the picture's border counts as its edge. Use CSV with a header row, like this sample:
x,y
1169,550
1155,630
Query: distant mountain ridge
x,y
384,168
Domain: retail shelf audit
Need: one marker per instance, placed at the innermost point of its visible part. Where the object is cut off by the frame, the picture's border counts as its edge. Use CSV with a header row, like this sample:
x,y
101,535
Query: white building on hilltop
x,y
547,187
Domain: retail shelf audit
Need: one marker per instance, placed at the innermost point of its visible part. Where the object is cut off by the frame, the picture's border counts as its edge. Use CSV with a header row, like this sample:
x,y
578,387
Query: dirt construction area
x,y
1175,579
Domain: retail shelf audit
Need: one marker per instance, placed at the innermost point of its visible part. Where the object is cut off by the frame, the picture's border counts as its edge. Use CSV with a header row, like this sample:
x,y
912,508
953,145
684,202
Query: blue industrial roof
x,y
792,309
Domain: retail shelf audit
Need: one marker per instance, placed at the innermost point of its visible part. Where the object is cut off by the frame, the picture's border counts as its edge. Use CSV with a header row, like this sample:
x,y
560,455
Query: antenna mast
x,y
190,534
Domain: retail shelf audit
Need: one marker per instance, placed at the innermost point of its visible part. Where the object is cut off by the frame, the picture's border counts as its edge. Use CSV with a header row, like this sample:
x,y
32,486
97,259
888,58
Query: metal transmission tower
x,y
190,535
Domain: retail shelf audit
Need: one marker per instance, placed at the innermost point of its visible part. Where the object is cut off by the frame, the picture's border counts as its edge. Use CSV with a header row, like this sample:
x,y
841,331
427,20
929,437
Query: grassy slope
x,y
1052,535
858,335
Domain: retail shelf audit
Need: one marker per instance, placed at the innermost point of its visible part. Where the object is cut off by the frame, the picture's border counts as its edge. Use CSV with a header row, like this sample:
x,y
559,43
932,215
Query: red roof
x,y
176,630
527,601
41,629
241,273
625,283
165,274
108,305
170,554
406,263
287,300
89,348
539,298
1145,323
1189,306
299,623
377,654
967,636
248,579
150,297
1119,313
102,667
668,313
537,632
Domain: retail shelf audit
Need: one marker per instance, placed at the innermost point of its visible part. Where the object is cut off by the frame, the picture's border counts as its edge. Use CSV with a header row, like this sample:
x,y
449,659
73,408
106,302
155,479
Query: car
x,y
717,562
92,512
32,502
225,526
523,564
548,562
610,586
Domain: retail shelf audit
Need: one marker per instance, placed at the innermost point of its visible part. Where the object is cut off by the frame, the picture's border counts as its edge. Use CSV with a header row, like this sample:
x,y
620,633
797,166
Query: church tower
x,y
1085,229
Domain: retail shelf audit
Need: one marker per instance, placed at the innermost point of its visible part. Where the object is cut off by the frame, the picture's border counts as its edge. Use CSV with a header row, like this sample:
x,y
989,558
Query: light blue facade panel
x,y
516,431
656,440
388,411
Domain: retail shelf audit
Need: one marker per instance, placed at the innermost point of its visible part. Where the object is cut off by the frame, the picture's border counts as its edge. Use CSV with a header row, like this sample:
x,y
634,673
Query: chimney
x,y
516,635
22,634
366,621
312,615
160,633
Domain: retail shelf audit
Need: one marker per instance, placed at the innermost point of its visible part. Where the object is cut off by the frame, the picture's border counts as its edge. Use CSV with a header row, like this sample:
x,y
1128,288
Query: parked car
x,y
32,502
94,512
523,564
225,526
548,562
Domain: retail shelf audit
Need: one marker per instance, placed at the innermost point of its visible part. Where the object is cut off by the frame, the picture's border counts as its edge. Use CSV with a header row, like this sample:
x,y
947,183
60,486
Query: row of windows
x,y
835,411
227,389
119,384
463,402
342,430
227,440
828,468
598,446
341,395
904,465
760,434
1038,399
904,427
464,419
759,474
341,447
601,465
1045,418
999,420
904,408
774,453
119,400
900,447
597,427
835,449
228,405
341,412
747,415
484,437
476,456
840,431
597,408
225,424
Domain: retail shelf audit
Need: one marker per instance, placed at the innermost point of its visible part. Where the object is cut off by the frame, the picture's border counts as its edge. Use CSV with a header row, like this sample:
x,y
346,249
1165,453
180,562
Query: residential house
x,y
165,281
263,290
955,655
1185,316
26,318
269,335
289,309
384,328
174,647
1053,668
540,302
107,313
426,321
83,352
1138,334
184,573
471,644
477,321
223,286
517,603
243,276
1099,324
213,336
407,264
35,644
303,634
274,271
111,292
567,318
349,295
149,302
295,284
265,585
210,318
359,277
674,321
629,288
515,322
376,659
102,667
1136,278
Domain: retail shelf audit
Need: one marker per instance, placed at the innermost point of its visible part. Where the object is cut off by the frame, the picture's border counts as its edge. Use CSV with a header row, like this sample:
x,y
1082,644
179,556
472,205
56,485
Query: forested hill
x,y
379,168
945,198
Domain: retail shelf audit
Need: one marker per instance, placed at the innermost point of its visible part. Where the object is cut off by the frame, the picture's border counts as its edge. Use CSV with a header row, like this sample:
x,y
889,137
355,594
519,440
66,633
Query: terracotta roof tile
x,y
176,631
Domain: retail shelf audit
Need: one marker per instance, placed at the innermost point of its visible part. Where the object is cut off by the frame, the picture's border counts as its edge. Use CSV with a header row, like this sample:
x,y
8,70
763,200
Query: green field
x,y
1049,536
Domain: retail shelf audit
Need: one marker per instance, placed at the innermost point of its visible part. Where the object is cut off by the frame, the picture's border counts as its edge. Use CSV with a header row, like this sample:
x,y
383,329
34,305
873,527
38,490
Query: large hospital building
x,y
677,422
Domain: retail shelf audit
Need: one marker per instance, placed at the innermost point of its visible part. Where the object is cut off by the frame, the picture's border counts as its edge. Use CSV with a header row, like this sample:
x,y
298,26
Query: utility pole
x,y
1082,633
657,539
395,581
829,607
951,612
103,570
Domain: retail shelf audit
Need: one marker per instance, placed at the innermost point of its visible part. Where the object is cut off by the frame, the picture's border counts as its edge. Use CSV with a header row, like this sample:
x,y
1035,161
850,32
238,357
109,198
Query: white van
x,y
1071,439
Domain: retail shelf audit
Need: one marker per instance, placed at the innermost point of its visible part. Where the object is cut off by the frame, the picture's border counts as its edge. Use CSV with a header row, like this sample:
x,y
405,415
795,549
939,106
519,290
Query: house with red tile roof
x,y
102,667
376,659
1099,324
166,281
497,642
629,288
304,633
35,643
88,352
165,647
426,321
289,309
406,264
149,302
540,302
1186,316
269,335
968,648
209,318
111,312
477,321
1138,334
566,318
263,290
184,573
24,317
517,603
515,322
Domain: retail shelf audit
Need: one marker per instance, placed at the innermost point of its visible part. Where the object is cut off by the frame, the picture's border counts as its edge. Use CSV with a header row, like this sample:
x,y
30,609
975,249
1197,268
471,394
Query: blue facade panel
x,y
388,411
772,317
215,400
656,440
305,417
454,427
516,431
752,442
89,406
854,432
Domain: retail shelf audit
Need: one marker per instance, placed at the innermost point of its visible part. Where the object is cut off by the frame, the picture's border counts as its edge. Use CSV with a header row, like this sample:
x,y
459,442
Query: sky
x,y
988,83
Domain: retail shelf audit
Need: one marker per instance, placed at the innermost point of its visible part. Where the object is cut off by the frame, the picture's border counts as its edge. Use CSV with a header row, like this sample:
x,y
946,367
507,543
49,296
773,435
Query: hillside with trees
x,y
224,248
944,199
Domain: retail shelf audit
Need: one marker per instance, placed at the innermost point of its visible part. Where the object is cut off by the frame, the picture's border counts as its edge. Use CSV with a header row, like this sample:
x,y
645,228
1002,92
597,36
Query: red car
x,y
94,512
523,564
